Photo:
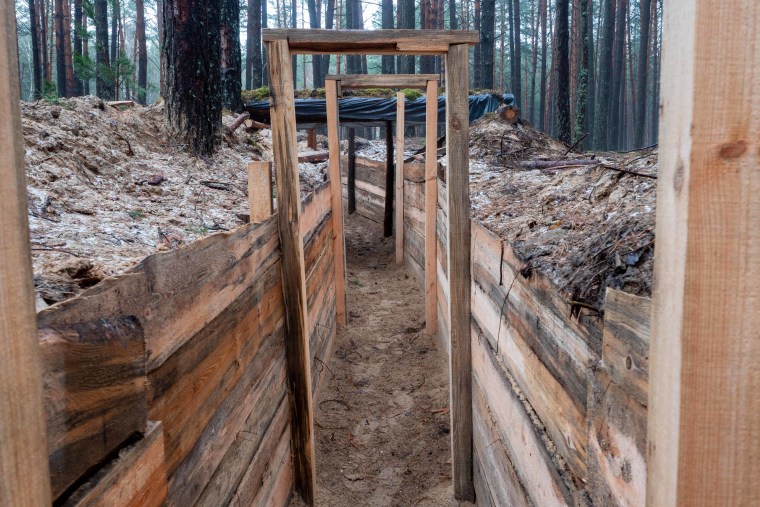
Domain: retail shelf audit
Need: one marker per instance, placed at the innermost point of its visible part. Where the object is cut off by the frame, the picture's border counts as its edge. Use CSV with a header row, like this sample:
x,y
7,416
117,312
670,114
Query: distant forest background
x,y
576,67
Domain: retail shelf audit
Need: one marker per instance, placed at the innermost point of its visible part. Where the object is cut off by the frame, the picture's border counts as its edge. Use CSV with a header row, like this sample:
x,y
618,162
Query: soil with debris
x,y
108,186
382,417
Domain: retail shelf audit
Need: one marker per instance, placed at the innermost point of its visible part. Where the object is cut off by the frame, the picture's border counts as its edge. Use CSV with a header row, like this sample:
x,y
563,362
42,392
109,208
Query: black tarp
x,y
364,109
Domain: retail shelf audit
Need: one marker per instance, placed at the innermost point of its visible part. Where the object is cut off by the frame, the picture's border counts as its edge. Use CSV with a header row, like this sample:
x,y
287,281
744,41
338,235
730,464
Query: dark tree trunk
x,y
602,117
453,14
142,51
581,104
487,28
643,74
563,72
43,27
477,69
60,50
231,60
618,69
86,53
517,55
406,64
388,64
255,64
316,60
591,74
193,78
103,84
656,56
115,13
36,64
78,43
542,7
71,85
264,24
161,38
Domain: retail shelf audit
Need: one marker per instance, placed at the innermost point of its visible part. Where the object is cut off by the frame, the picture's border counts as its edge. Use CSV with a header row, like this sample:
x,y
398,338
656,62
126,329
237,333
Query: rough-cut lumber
x,y
704,407
336,192
458,247
371,41
431,206
390,181
311,139
414,81
260,199
95,399
313,158
23,456
399,167
137,478
285,149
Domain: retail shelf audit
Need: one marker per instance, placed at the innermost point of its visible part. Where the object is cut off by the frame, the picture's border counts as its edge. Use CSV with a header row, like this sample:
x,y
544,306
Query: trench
x,y
382,417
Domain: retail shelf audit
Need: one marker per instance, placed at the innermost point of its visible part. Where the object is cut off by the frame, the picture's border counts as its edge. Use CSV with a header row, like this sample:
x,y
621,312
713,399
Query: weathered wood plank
x,y
23,457
315,208
358,81
431,206
390,182
458,247
285,149
260,200
94,391
351,167
399,167
137,478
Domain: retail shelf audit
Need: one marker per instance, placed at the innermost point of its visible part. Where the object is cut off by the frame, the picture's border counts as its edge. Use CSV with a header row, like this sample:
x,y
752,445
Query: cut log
x,y
242,117
313,158
510,114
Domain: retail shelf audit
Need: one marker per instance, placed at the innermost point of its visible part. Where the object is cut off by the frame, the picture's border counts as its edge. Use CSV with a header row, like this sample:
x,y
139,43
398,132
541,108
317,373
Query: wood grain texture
x,y
431,206
399,180
336,192
94,391
285,149
358,81
458,247
137,478
260,200
704,426
23,455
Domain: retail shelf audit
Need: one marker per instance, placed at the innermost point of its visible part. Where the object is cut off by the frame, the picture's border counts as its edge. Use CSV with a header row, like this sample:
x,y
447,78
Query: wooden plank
x,y
625,342
95,398
260,200
390,178
358,81
311,138
336,191
399,167
458,247
285,149
351,170
136,479
23,456
704,422
431,205
371,41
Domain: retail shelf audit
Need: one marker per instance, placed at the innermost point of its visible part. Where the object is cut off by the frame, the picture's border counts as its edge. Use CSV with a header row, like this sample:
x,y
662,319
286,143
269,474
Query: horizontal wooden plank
x,y
625,349
358,81
314,208
94,392
137,478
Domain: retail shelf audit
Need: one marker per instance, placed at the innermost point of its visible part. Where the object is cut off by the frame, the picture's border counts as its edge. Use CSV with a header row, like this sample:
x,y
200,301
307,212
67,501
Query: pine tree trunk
x,y
142,52
193,79
581,104
85,53
563,72
407,8
231,60
591,73
542,8
78,43
453,15
316,60
643,73
487,28
388,63
517,56
477,69
534,62
263,67
103,84
115,14
36,64
618,69
71,85
60,49
602,117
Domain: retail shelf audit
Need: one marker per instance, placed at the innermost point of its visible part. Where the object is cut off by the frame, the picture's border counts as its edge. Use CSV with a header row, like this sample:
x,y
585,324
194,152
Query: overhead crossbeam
x,y
400,81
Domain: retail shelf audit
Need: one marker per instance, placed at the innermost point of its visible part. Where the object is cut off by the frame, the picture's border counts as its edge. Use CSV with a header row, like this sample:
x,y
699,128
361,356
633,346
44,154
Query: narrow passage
x,y
382,417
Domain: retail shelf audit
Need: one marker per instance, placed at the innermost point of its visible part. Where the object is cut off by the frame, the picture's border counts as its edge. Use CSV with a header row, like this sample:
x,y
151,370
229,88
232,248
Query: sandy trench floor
x,y
381,416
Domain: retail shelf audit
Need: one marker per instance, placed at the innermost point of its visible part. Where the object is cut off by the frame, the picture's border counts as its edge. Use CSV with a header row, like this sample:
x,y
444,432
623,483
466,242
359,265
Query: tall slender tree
x,y
406,64
618,73
562,106
231,61
581,107
79,31
142,51
315,22
643,72
60,49
103,83
388,64
602,116
516,54
36,63
487,41
542,14
71,86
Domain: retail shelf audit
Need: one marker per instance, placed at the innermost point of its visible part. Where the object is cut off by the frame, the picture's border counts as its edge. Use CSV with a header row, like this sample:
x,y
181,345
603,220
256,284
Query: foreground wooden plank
x,y
399,210
336,192
137,478
704,418
260,199
285,149
358,81
431,205
95,398
458,246
23,457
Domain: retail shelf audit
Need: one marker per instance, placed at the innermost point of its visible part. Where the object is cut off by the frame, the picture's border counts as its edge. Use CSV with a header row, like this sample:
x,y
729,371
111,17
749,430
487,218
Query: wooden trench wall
x,y
559,404
169,384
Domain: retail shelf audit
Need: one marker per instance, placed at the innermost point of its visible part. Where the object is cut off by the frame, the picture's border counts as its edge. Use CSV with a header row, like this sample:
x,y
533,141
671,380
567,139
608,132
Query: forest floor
x,y
382,416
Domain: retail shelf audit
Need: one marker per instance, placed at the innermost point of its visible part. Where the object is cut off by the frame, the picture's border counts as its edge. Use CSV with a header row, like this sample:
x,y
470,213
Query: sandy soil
x,y
382,418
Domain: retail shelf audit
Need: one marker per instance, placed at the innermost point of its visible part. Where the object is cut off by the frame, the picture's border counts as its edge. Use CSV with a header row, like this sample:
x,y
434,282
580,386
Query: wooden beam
x,y
351,177
260,199
285,149
390,178
416,81
311,138
704,419
399,216
458,255
371,41
336,193
431,208
24,476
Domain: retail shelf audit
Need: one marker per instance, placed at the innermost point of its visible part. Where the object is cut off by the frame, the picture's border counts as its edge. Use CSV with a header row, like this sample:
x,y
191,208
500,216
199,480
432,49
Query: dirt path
x,y
382,420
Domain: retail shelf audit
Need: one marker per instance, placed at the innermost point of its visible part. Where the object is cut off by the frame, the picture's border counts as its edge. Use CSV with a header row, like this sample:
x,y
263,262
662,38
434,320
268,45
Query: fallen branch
x,y
554,164
238,121
217,185
575,145
314,158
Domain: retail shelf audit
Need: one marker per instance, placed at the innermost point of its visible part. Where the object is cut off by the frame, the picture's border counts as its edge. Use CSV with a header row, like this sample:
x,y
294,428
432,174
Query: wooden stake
x,y
311,138
24,475
260,199
336,192
399,214
351,179
431,209
390,177
285,149
458,246
704,398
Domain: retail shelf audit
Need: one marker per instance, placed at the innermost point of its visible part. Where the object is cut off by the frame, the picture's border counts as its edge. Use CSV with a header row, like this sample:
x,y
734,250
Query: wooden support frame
x,y
399,81
431,208
24,472
399,215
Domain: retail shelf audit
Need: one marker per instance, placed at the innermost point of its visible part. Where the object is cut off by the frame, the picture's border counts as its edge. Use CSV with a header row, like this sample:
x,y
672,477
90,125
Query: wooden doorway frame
x,y
454,46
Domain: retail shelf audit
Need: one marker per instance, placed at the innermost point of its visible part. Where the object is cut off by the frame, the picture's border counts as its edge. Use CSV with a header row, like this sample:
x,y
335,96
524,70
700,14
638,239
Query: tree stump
x,y
510,114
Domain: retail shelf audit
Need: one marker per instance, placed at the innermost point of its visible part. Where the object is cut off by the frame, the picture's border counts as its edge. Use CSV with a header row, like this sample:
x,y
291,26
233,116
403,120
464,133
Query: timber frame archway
x,y
454,45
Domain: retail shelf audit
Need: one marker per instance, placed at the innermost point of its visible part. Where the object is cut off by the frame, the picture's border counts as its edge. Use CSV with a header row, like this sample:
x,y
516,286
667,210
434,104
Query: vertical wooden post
x,y
336,193
351,176
311,138
458,254
399,215
390,177
285,149
24,474
704,401
260,199
431,212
